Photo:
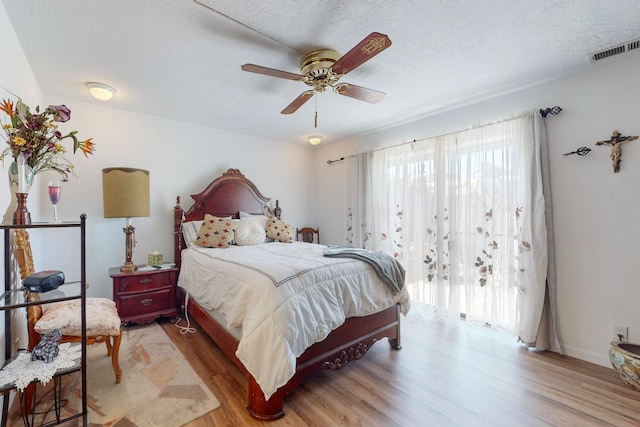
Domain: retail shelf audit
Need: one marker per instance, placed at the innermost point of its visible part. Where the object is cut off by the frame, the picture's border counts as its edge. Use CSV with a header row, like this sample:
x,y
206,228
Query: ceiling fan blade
x,y
271,72
372,45
358,92
298,102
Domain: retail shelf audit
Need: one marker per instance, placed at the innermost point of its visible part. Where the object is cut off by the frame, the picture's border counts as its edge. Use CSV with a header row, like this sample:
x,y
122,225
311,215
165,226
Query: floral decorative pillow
x,y
216,232
279,231
249,232
102,318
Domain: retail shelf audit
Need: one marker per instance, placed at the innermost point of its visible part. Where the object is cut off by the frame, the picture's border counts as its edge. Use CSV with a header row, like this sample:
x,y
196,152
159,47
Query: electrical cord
x,y
185,329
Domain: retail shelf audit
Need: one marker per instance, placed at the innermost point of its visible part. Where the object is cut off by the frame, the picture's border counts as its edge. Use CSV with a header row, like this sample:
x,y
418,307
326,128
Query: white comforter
x,y
284,296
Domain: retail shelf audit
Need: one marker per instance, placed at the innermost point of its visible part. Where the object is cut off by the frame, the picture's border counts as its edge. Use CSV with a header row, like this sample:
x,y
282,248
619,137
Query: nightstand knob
x,y
145,281
146,301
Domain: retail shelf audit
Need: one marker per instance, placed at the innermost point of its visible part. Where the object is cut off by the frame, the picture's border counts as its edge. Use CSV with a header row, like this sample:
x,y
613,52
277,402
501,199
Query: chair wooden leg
x,y
109,346
115,357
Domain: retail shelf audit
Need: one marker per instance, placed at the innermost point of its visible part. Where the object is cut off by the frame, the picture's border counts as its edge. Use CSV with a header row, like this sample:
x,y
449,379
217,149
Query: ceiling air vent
x,y
633,45
616,50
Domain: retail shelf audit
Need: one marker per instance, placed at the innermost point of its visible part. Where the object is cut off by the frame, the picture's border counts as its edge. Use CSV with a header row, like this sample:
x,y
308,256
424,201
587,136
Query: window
x,y
456,211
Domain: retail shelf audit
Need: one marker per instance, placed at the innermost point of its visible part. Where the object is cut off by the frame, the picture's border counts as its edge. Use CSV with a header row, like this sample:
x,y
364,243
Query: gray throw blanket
x,y
387,267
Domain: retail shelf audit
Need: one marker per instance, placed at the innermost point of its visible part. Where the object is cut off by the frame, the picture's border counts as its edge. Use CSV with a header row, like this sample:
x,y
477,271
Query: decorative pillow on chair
x,y
102,318
216,232
249,232
279,231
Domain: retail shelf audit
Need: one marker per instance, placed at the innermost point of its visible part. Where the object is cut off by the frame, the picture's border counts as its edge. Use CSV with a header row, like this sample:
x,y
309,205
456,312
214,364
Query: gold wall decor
x,y
616,142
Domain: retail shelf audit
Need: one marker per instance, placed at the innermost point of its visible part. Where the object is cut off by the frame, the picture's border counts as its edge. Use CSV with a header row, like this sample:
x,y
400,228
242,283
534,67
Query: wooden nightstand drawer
x,y
143,296
145,282
140,305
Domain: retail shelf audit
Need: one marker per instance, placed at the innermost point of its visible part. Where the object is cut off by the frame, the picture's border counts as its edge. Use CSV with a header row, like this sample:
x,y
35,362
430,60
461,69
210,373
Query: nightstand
x,y
144,296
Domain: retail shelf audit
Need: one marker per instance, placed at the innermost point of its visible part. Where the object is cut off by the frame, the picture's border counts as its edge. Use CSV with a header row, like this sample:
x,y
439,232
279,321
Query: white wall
x,y
595,211
15,76
182,159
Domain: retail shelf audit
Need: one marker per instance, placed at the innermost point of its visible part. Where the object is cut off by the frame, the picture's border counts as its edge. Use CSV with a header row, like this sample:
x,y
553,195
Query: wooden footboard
x,y
347,343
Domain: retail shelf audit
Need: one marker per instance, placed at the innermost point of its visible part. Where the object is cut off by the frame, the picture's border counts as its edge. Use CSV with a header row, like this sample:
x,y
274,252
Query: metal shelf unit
x,y
12,299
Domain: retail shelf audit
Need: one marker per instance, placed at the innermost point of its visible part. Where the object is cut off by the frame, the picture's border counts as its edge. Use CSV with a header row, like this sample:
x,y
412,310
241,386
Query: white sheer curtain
x,y
465,215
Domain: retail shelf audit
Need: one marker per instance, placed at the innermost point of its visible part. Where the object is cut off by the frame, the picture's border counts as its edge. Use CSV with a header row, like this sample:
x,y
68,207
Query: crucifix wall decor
x,y
615,142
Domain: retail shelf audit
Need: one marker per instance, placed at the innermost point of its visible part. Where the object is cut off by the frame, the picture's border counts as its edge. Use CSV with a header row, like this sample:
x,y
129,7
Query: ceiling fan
x,y
323,68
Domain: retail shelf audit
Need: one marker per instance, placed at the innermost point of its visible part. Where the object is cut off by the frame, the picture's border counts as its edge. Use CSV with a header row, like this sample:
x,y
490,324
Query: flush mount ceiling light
x,y
314,139
100,91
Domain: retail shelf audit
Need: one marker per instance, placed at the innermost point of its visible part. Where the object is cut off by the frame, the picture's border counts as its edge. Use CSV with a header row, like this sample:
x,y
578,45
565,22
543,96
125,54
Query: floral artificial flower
x,y
37,137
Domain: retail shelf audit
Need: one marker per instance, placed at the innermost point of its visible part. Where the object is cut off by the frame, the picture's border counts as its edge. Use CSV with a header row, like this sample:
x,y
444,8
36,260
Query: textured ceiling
x,y
181,59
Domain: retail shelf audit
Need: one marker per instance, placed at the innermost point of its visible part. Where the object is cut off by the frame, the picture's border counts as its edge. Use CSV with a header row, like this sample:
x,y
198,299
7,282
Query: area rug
x,y
158,387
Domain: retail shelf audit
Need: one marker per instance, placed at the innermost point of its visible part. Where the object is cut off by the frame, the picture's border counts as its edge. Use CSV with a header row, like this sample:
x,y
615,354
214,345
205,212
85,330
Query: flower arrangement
x,y
37,138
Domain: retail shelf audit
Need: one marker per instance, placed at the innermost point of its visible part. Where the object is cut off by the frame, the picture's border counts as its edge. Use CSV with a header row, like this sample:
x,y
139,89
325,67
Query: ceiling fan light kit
x,y
323,68
318,63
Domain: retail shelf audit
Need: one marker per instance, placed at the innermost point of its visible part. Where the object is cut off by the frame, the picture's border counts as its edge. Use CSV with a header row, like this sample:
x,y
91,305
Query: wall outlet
x,y
621,333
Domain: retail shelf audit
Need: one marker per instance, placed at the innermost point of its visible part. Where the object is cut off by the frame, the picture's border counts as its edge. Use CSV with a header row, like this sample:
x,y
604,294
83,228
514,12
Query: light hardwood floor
x,y
443,376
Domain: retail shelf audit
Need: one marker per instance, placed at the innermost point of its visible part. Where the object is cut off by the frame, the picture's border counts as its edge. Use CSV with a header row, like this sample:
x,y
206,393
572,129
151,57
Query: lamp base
x,y
128,267
129,232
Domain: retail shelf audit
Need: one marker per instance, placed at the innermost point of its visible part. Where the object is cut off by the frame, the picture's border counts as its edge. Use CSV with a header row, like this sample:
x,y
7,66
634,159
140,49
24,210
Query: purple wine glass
x,y
54,196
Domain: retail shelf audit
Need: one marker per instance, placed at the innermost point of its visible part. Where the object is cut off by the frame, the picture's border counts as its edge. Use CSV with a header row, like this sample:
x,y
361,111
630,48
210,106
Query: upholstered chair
x,y
103,322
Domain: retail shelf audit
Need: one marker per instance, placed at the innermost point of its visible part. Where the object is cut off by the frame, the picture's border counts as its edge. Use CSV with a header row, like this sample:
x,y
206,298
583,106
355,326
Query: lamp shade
x,y
125,192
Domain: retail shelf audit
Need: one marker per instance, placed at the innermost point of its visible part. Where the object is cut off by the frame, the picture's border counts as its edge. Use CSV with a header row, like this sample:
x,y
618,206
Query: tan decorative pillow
x,y
279,231
216,232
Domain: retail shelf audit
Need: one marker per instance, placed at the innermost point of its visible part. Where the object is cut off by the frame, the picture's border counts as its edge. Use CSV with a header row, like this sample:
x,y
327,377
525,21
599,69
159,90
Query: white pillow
x,y
233,238
262,220
190,231
249,232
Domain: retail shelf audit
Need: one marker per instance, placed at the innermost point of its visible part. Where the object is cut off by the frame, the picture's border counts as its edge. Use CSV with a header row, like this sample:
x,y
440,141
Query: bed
x,y
226,197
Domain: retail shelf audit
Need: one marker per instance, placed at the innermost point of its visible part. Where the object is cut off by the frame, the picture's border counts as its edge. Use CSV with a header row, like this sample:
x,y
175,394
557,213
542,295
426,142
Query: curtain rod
x,y
551,110
543,112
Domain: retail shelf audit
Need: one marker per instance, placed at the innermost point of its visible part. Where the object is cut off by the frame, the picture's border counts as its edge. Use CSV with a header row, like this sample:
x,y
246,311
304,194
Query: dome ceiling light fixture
x,y
100,91
314,139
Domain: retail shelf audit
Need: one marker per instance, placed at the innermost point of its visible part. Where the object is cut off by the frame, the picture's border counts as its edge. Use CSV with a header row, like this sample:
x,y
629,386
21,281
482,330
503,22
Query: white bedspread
x,y
284,296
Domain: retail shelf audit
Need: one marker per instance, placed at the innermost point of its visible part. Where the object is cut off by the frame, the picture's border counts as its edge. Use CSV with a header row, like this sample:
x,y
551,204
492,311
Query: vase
x,y
13,189
625,358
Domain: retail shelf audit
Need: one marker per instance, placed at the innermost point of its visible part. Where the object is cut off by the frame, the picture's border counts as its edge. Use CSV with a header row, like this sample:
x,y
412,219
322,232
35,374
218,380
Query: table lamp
x,y
125,193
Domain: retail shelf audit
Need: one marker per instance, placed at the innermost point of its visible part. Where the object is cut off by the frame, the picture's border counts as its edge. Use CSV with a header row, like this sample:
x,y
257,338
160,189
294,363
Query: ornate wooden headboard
x,y
225,196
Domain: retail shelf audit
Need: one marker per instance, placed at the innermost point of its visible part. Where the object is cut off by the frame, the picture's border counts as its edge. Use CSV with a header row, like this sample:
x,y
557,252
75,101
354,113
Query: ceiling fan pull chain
x,y
316,119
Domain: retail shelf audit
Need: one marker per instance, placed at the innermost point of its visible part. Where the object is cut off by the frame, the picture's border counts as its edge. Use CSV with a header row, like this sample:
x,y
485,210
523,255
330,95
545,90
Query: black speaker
x,y
44,281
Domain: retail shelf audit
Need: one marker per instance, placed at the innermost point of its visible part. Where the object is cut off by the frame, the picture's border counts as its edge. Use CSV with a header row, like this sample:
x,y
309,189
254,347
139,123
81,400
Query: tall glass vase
x,y
14,188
